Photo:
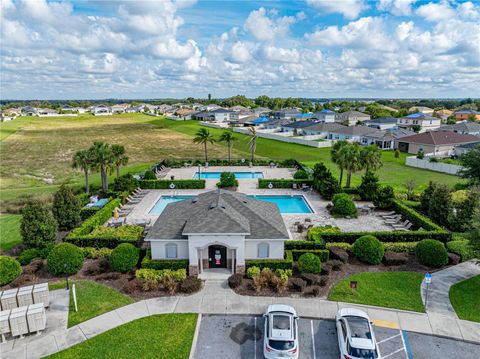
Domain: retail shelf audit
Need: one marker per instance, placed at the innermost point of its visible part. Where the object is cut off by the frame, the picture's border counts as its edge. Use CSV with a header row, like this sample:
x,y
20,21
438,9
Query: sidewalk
x,y
217,298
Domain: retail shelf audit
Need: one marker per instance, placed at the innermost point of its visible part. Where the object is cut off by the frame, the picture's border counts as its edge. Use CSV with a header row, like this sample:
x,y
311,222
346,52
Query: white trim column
x,y
201,259
232,253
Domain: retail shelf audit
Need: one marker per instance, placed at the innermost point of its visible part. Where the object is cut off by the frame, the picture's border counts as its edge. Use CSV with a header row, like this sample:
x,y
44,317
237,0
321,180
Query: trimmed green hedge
x,y
388,236
87,212
165,184
418,220
273,264
172,163
297,244
283,183
96,220
160,264
322,254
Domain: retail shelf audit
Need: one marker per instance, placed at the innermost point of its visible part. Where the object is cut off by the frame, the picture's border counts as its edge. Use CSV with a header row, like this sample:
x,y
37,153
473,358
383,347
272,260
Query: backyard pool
x,y
238,175
286,204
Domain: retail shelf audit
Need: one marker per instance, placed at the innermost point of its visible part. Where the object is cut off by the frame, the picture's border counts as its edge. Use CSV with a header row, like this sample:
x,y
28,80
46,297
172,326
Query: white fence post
x,y
74,292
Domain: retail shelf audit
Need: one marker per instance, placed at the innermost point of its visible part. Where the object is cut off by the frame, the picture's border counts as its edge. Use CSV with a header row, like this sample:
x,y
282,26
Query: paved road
x,y
236,336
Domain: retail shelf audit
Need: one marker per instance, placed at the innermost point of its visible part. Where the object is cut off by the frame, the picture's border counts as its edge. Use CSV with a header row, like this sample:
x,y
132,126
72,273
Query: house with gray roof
x,y
320,128
218,229
324,115
467,128
385,139
350,133
382,123
350,118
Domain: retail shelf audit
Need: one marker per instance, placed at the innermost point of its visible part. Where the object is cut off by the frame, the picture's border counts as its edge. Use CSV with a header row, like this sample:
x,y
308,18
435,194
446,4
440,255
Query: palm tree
x,y
371,157
119,157
203,136
228,137
337,159
103,161
252,144
83,160
353,163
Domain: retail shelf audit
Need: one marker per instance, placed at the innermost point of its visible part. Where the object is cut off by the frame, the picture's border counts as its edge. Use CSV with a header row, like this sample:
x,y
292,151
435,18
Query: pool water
x,y
238,175
286,204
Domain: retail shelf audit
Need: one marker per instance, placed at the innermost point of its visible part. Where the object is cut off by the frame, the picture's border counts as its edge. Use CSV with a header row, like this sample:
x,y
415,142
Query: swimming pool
x,y
238,175
286,204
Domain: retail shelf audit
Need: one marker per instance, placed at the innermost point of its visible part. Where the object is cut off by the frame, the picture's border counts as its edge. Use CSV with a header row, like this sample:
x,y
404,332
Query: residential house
x,y
382,123
350,118
120,108
461,149
217,115
12,111
422,109
464,127
102,110
46,112
321,128
29,111
73,109
296,126
184,113
350,133
324,115
466,115
5,116
261,111
443,114
165,109
434,142
276,124
385,139
218,229
419,121
286,113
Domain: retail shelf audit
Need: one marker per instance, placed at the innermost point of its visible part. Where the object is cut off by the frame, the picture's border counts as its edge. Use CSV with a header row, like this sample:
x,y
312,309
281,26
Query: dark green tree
x,y
440,206
461,219
369,186
38,226
471,165
426,196
66,208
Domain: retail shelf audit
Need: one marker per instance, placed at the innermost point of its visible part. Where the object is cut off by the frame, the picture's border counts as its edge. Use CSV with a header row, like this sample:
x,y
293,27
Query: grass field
x,y
36,152
465,299
159,336
399,290
9,231
93,299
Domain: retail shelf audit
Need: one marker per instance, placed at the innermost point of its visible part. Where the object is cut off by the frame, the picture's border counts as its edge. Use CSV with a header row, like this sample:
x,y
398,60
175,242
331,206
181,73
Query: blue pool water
x,y
238,175
286,204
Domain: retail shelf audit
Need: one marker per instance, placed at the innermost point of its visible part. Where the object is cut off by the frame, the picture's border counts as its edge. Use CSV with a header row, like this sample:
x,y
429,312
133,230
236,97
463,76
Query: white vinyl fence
x,y
283,137
425,163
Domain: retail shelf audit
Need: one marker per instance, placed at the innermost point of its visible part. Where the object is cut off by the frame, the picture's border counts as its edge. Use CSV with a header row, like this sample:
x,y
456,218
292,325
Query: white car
x,y
281,332
356,339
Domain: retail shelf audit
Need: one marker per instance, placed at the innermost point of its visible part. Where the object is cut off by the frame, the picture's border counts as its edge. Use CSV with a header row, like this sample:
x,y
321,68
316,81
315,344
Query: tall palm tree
x,y
103,161
228,138
203,137
371,157
83,160
337,159
252,144
353,162
119,157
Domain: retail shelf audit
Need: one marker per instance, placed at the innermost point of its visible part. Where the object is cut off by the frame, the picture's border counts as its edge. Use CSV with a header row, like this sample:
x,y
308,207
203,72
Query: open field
x,y
36,152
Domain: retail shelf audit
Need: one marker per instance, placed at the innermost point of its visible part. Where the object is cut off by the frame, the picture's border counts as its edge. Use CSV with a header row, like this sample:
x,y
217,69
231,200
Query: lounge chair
x,y
392,217
402,225
294,186
406,228
393,221
388,214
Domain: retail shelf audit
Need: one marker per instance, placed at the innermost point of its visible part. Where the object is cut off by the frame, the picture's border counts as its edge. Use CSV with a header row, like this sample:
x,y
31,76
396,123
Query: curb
x,y
195,336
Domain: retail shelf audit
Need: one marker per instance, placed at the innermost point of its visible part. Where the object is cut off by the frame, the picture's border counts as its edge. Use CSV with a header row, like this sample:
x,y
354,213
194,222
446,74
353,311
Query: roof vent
x,y
212,206
195,200
222,207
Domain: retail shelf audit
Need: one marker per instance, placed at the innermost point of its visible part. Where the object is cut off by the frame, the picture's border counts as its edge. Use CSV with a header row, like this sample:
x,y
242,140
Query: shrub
x,y
227,179
309,263
297,284
313,291
165,184
431,253
461,220
416,218
125,183
235,280
312,243
283,183
462,248
153,279
66,208
300,174
10,269
253,272
396,154
310,278
440,205
87,212
400,246
426,196
93,253
190,285
339,253
160,264
28,255
343,206
369,187
263,279
149,175
336,264
325,183
124,257
322,254
96,220
65,258
383,199
273,264
342,245
38,226
368,249
281,279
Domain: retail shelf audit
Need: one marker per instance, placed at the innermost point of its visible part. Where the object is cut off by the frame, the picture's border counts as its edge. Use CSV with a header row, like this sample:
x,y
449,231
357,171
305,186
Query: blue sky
x,y
181,48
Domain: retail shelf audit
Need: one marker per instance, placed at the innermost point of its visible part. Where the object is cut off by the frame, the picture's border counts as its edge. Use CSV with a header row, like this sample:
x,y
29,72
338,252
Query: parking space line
x,y
313,339
385,340
395,352
255,337
406,344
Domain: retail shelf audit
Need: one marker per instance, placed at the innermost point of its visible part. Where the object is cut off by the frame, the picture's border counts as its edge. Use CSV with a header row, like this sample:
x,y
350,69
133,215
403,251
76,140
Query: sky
x,y
183,48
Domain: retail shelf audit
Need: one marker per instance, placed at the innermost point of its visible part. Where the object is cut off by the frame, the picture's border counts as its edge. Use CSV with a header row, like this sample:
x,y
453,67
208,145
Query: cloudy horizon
x,y
187,48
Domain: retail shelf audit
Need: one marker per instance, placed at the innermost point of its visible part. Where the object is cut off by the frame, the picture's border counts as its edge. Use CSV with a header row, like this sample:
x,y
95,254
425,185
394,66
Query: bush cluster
x,y
124,257
263,278
369,249
160,264
463,248
343,206
309,263
154,279
324,181
369,187
283,183
165,184
322,254
66,208
236,280
273,264
149,175
431,253
125,183
300,175
65,258
299,244
10,270
172,163
96,220
94,253
38,226
190,285
383,198
227,179
87,212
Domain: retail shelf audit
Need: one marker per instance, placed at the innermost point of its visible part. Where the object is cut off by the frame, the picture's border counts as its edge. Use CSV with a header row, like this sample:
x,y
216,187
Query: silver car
x,y
356,339
281,332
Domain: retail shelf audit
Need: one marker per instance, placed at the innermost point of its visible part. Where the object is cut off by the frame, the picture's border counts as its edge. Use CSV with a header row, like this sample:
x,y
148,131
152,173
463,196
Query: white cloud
x,y
396,7
436,12
264,28
350,9
278,54
240,52
106,64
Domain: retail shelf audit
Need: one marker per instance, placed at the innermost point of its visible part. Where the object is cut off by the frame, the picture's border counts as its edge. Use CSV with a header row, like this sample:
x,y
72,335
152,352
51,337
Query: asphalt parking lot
x,y
237,336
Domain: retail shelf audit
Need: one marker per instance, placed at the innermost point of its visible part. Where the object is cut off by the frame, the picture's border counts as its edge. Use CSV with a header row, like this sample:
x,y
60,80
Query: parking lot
x,y
238,336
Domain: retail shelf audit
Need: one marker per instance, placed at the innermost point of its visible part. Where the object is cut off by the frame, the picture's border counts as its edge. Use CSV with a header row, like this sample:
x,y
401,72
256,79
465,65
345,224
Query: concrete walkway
x,y
438,291
217,298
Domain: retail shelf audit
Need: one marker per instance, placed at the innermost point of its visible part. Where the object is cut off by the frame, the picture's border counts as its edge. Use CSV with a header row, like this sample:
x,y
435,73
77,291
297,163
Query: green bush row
x,y
418,220
462,248
297,244
96,220
322,254
387,236
87,212
108,237
273,264
224,162
400,246
165,184
160,264
283,183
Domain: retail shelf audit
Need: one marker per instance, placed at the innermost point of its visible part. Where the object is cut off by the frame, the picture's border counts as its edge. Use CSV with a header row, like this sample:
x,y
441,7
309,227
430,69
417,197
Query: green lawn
x,y
159,336
10,127
465,299
93,299
9,231
399,290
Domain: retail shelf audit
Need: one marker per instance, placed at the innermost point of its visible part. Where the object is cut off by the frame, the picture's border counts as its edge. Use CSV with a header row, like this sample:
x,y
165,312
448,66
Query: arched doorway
x,y
217,256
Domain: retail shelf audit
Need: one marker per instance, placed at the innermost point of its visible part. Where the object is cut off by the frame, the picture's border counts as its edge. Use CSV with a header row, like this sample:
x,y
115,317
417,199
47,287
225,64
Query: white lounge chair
x,y
406,228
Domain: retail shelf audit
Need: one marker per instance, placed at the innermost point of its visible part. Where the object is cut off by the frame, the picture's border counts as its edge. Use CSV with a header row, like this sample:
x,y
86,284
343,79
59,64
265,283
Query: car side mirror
x,y
264,315
296,318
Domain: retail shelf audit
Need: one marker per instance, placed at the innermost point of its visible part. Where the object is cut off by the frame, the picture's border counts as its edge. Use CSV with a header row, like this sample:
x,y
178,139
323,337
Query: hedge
x,y
160,264
165,184
224,162
322,254
400,246
273,264
297,244
283,183
388,236
96,220
87,212
418,220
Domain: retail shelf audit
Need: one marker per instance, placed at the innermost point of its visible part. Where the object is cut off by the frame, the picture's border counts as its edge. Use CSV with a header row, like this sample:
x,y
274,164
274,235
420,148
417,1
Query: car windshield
x,y
281,322
281,344
362,353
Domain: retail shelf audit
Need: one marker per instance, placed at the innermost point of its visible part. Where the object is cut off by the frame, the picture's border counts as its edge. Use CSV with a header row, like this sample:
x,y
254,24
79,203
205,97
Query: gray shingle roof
x,y
324,127
354,130
219,211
